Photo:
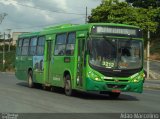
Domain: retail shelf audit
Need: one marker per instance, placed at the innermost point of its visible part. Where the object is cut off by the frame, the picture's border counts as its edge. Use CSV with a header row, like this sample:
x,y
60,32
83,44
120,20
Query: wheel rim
x,y
30,81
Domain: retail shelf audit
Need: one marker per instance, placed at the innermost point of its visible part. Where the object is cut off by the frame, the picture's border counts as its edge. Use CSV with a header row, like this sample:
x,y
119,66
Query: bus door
x,y
80,65
48,61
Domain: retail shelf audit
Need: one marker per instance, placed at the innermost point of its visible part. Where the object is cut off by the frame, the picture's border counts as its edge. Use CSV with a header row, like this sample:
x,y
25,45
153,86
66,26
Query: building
x,y
15,36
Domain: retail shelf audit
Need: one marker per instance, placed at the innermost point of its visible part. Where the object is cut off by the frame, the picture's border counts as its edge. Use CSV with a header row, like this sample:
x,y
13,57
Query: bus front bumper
x,y
92,85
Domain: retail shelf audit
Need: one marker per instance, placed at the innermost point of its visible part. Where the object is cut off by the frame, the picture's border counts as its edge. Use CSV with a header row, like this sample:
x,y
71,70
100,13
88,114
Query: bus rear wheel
x,y
30,80
68,86
114,95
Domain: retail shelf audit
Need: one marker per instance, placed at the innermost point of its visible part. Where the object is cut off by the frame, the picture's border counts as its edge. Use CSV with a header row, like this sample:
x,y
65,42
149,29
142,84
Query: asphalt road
x,y
16,97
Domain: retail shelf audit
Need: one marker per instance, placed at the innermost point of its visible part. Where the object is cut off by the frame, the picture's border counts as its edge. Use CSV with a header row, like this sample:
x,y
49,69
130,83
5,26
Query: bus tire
x,y
68,86
30,80
114,95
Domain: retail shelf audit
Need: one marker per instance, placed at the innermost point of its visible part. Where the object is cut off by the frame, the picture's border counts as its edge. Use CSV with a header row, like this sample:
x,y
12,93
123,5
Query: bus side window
x,y
70,44
19,46
40,46
60,44
33,43
25,46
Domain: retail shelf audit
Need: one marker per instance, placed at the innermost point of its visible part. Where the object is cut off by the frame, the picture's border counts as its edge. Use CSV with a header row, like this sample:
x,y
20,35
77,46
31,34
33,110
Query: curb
x,y
152,60
151,87
8,73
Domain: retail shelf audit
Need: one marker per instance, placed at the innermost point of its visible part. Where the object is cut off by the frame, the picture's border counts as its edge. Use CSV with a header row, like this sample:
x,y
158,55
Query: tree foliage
x,y
122,12
145,3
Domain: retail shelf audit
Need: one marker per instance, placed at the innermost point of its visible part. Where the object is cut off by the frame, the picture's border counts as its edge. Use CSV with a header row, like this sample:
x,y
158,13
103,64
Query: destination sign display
x,y
116,30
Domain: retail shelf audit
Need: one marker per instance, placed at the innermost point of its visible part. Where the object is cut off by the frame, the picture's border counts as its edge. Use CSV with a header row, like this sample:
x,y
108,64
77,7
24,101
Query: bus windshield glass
x,y
115,53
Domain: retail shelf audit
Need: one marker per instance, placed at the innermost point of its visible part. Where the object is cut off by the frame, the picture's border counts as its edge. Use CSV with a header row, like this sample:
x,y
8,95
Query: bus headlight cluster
x,y
94,76
137,79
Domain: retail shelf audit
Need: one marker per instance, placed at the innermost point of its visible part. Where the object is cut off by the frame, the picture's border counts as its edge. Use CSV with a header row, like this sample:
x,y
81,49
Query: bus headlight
x,y
137,79
94,76
143,75
97,79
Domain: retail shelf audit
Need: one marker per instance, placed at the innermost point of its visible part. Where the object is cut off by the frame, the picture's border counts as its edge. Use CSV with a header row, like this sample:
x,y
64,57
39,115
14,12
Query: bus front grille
x,y
115,80
115,86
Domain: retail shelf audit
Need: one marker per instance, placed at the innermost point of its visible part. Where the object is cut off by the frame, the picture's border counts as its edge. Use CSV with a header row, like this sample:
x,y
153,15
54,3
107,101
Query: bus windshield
x,y
115,53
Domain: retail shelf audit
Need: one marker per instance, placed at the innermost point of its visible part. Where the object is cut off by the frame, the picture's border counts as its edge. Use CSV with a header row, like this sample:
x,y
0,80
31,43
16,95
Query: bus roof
x,y
70,27
29,34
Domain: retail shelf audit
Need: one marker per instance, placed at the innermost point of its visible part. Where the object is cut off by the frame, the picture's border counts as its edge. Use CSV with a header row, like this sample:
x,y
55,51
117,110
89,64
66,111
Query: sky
x,y
33,15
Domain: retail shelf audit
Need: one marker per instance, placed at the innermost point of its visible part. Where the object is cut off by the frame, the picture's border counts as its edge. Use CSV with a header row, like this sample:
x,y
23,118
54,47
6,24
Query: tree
x,y
153,7
2,16
122,12
145,3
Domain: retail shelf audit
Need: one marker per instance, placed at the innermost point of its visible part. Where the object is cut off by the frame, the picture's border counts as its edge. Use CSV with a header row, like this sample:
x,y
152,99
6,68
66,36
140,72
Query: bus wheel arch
x,y
30,78
67,84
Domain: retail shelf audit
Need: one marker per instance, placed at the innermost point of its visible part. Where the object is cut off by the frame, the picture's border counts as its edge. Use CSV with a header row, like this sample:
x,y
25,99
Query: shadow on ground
x,y
83,95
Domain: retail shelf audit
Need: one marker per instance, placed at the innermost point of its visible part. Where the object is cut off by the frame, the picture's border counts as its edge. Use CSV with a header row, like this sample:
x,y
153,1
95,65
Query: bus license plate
x,y
116,91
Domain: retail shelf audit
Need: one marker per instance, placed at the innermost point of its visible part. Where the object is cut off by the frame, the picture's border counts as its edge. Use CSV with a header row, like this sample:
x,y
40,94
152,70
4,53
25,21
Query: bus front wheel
x,y
30,80
68,86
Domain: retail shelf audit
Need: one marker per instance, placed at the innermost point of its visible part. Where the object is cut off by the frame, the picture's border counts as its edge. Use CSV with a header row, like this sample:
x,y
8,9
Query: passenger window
x,y
33,43
70,44
25,46
19,46
20,43
40,46
60,44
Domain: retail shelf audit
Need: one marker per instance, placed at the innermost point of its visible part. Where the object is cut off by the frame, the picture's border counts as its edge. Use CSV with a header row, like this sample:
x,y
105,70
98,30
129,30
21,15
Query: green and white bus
x,y
94,57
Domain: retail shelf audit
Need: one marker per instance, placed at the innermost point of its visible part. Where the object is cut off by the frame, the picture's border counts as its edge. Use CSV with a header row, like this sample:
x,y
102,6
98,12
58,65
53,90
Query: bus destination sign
x,y
115,30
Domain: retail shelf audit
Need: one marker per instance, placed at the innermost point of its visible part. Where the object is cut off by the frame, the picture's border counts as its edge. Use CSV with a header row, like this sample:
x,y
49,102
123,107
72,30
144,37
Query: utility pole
x,y
86,15
4,52
148,55
2,16
9,39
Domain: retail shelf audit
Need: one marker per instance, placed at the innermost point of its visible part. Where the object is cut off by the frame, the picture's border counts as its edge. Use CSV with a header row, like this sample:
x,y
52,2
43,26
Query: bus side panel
x,y
23,63
38,69
38,63
18,69
60,64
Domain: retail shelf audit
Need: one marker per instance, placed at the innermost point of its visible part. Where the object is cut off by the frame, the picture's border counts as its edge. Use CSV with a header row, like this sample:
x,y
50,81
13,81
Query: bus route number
x,y
108,64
